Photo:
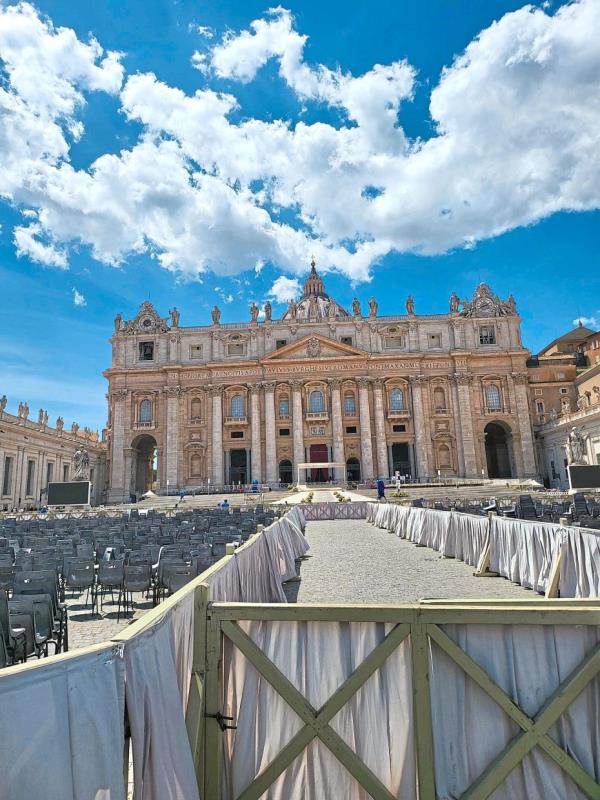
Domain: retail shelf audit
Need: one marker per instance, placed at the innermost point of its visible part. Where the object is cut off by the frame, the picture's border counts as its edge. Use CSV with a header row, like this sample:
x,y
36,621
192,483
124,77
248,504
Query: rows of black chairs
x,y
44,562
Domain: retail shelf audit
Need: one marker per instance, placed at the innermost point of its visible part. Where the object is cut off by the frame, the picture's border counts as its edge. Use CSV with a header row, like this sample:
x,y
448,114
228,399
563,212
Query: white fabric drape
x,y
528,662
158,669
580,564
317,657
61,730
524,552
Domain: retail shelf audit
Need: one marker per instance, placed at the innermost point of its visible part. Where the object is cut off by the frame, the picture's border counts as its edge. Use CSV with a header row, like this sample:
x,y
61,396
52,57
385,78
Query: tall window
x,y
146,411
7,479
349,403
317,402
493,398
237,406
65,472
196,408
284,407
396,400
30,476
196,465
49,472
439,399
146,350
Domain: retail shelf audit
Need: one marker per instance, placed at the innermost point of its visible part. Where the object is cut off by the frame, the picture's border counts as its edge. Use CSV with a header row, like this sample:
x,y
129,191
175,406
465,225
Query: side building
x,y
424,395
33,454
577,404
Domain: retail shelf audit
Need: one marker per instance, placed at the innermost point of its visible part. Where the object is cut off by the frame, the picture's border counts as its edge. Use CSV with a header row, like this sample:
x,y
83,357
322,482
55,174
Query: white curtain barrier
x,y
524,552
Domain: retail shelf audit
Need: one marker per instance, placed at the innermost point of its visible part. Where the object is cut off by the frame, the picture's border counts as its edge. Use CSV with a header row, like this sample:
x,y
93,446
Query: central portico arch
x,y
144,464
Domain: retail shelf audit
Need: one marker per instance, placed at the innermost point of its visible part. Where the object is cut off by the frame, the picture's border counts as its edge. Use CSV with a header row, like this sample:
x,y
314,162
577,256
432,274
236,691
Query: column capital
x,y
377,383
334,383
269,386
462,378
216,390
520,378
172,391
419,380
364,382
254,389
119,394
297,385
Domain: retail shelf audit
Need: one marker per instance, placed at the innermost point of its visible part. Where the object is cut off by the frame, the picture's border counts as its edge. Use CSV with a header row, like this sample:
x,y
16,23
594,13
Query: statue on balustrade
x,y
216,315
174,317
254,309
268,311
118,323
292,309
373,306
60,424
454,303
3,402
410,305
576,447
356,307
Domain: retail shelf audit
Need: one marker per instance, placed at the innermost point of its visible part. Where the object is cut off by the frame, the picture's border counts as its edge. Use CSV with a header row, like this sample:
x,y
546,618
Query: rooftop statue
x,y
410,305
216,315
373,306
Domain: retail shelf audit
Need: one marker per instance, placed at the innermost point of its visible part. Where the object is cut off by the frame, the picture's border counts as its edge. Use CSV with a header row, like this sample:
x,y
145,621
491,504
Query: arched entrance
x,y
318,452
498,450
285,471
144,464
353,470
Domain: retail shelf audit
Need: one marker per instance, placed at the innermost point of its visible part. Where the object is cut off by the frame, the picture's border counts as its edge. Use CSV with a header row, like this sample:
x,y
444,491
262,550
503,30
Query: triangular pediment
x,y
314,347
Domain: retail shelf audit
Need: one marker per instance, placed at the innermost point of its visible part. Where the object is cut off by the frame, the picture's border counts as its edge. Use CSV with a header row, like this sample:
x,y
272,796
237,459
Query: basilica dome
x,y
315,303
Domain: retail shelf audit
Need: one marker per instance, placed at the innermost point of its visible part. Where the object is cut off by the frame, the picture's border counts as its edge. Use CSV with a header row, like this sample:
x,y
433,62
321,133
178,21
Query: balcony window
x,y
349,404
316,402
439,399
284,407
237,406
396,400
196,408
493,398
146,411
434,340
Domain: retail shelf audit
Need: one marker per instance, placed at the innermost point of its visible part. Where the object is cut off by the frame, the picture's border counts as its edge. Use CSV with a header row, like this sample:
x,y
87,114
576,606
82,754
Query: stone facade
x,y
425,395
33,454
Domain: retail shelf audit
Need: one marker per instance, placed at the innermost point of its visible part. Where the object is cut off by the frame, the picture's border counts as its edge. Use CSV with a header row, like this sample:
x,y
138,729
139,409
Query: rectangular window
x,y
351,429
195,351
399,428
237,434
563,390
65,472
49,472
30,477
279,343
560,376
487,334
539,407
7,479
235,349
346,340
394,342
146,350
284,431
434,340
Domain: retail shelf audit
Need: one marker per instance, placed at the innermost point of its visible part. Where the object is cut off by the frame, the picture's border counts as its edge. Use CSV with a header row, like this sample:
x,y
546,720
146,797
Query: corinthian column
x,y
172,435
297,425
116,492
380,439
270,443
366,448
523,415
337,428
256,458
422,466
216,393
465,405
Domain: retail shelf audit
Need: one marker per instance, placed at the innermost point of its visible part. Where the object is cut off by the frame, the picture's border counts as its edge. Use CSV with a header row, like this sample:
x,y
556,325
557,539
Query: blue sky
x,y
196,152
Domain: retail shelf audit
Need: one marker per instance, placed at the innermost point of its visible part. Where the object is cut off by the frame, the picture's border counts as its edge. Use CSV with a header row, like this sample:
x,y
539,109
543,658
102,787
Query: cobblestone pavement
x,y
86,629
352,561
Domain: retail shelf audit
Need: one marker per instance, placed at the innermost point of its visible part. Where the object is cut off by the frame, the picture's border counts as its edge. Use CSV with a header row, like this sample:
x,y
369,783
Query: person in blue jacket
x,y
380,489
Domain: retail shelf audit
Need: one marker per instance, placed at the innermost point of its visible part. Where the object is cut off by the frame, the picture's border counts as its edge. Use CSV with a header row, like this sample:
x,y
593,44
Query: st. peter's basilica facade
x,y
423,395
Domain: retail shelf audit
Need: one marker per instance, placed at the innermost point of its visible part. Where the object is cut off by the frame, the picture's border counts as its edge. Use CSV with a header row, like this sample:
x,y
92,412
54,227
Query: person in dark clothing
x,y
380,489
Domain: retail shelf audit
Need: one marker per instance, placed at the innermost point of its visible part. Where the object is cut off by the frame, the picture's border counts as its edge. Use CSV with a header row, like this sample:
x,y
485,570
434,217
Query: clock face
x,y
147,322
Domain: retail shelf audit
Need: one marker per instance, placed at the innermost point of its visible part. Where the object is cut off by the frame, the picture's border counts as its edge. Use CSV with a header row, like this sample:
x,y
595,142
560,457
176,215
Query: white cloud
x,y
78,298
203,30
28,244
285,289
225,297
515,140
589,322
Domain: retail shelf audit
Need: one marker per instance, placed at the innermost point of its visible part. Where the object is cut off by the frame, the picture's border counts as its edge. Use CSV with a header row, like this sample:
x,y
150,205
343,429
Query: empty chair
x,y
177,576
13,636
136,578
80,577
110,577
45,629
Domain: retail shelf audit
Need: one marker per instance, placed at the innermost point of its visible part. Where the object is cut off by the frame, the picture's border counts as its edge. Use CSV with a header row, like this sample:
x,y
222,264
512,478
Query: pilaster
x,y
366,446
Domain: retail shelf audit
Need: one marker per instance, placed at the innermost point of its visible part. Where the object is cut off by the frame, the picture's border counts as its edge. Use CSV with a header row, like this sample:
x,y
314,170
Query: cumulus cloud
x,y
28,243
589,322
205,188
285,289
78,298
225,296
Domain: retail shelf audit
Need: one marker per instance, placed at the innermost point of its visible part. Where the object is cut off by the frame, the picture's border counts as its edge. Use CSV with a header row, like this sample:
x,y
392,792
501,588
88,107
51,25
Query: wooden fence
x,y
323,511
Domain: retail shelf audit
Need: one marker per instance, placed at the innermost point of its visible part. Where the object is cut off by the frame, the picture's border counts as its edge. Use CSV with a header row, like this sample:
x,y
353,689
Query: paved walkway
x,y
352,561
